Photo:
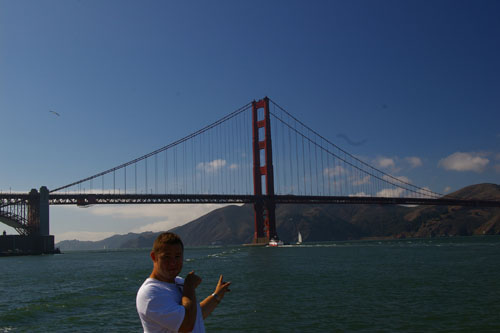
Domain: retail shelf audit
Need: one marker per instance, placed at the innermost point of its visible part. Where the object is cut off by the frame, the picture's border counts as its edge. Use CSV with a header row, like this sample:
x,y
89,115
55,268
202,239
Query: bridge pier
x,y
38,212
37,239
44,211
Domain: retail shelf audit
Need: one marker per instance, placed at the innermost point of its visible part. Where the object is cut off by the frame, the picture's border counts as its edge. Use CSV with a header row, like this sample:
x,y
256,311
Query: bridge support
x,y
44,211
38,212
36,238
264,208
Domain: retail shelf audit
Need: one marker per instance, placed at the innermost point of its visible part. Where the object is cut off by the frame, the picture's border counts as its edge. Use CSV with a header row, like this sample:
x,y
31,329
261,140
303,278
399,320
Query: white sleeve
x,y
169,317
158,311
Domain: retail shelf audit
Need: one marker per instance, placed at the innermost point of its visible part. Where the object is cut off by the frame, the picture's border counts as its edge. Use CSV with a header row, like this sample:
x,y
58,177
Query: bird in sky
x,y
351,142
57,114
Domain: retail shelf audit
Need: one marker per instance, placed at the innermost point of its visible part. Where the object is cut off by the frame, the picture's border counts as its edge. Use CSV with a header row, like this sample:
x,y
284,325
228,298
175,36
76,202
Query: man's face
x,y
168,263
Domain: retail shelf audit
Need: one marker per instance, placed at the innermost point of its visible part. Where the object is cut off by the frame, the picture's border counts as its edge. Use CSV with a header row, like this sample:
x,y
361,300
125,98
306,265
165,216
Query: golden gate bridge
x,y
233,160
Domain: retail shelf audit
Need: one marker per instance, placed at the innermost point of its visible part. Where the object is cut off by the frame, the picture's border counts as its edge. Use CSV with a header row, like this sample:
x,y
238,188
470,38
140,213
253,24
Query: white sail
x,y
299,237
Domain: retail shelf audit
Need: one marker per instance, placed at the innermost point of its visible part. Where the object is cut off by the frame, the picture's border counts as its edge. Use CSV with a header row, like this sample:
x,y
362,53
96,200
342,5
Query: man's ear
x,y
153,256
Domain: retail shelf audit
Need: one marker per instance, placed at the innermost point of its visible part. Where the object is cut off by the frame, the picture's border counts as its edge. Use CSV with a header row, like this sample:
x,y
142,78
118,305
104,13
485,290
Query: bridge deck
x,y
99,199
62,199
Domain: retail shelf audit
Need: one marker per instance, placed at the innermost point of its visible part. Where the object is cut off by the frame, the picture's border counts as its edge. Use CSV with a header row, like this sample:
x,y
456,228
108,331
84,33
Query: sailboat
x,y
299,238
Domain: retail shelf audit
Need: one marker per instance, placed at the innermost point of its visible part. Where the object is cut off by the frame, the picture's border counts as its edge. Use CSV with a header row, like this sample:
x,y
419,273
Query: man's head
x,y
166,238
167,256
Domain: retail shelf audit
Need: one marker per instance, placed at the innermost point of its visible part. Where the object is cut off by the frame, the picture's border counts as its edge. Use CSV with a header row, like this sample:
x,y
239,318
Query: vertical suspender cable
x,y
231,152
202,157
329,171
239,157
146,174
277,161
316,167
226,136
297,158
286,156
220,158
304,165
156,173
184,168
176,179
248,153
309,165
193,166
322,167
290,160
165,171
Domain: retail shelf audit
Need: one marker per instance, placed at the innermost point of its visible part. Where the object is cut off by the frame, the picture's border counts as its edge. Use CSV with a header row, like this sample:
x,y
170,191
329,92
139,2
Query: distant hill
x,y
431,221
325,222
113,242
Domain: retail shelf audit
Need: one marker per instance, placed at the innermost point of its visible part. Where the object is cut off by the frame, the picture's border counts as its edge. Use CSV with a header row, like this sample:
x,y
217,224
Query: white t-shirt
x,y
159,306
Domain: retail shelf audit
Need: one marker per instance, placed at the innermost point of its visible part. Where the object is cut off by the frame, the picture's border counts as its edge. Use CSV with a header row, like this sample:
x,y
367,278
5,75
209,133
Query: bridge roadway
x,y
99,199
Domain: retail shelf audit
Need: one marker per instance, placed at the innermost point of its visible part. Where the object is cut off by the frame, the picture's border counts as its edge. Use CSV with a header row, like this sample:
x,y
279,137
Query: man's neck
x,y
156,276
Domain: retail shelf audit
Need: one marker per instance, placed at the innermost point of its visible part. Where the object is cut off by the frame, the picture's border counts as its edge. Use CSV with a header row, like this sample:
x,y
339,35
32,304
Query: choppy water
x,y
433,285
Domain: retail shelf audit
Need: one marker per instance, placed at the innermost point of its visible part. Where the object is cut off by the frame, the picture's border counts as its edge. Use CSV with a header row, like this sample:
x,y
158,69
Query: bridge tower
x,y
30,217
265,218
38,212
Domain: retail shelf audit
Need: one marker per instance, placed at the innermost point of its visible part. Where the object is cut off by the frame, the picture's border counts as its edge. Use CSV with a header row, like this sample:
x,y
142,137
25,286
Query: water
x,y
432,285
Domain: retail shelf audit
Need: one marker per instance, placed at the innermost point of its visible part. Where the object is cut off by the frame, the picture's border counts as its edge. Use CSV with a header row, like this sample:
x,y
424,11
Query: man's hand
x,y
192,280
210,303
189,301
221,288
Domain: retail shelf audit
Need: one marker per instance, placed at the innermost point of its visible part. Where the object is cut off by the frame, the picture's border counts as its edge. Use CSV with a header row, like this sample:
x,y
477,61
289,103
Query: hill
x,y
431,221
234,224
113,242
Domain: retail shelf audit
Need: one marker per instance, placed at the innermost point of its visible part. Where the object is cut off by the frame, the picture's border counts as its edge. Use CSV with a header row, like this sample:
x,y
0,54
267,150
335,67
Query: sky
x,y
411,87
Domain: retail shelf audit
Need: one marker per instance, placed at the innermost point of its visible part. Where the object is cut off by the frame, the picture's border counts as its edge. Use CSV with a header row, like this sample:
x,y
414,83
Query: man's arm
x,y
210,303
189,302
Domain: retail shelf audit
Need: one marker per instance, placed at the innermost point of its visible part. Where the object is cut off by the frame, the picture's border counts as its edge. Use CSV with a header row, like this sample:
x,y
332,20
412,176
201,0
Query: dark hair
x,y
164,239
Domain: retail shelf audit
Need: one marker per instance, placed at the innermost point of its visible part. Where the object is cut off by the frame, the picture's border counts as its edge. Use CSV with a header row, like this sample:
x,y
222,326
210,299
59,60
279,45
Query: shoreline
x,y
28,253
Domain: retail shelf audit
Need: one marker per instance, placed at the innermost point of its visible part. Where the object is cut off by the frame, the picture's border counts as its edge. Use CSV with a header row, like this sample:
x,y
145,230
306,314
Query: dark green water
x,y
432,285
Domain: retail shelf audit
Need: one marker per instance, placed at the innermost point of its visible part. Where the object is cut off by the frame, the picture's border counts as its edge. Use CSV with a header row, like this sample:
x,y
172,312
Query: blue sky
x,y
416,81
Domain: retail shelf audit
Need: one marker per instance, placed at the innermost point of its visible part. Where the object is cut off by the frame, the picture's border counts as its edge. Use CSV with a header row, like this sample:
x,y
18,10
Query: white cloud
x,y
335,171
233,166
212,166
394,163
390,192
464,162
414,161
385,162
425,192
359,194
400,178
447,189
364,180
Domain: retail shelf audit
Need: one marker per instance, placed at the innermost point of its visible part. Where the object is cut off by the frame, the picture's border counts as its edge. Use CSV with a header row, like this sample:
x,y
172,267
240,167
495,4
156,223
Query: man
x,y
166,302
